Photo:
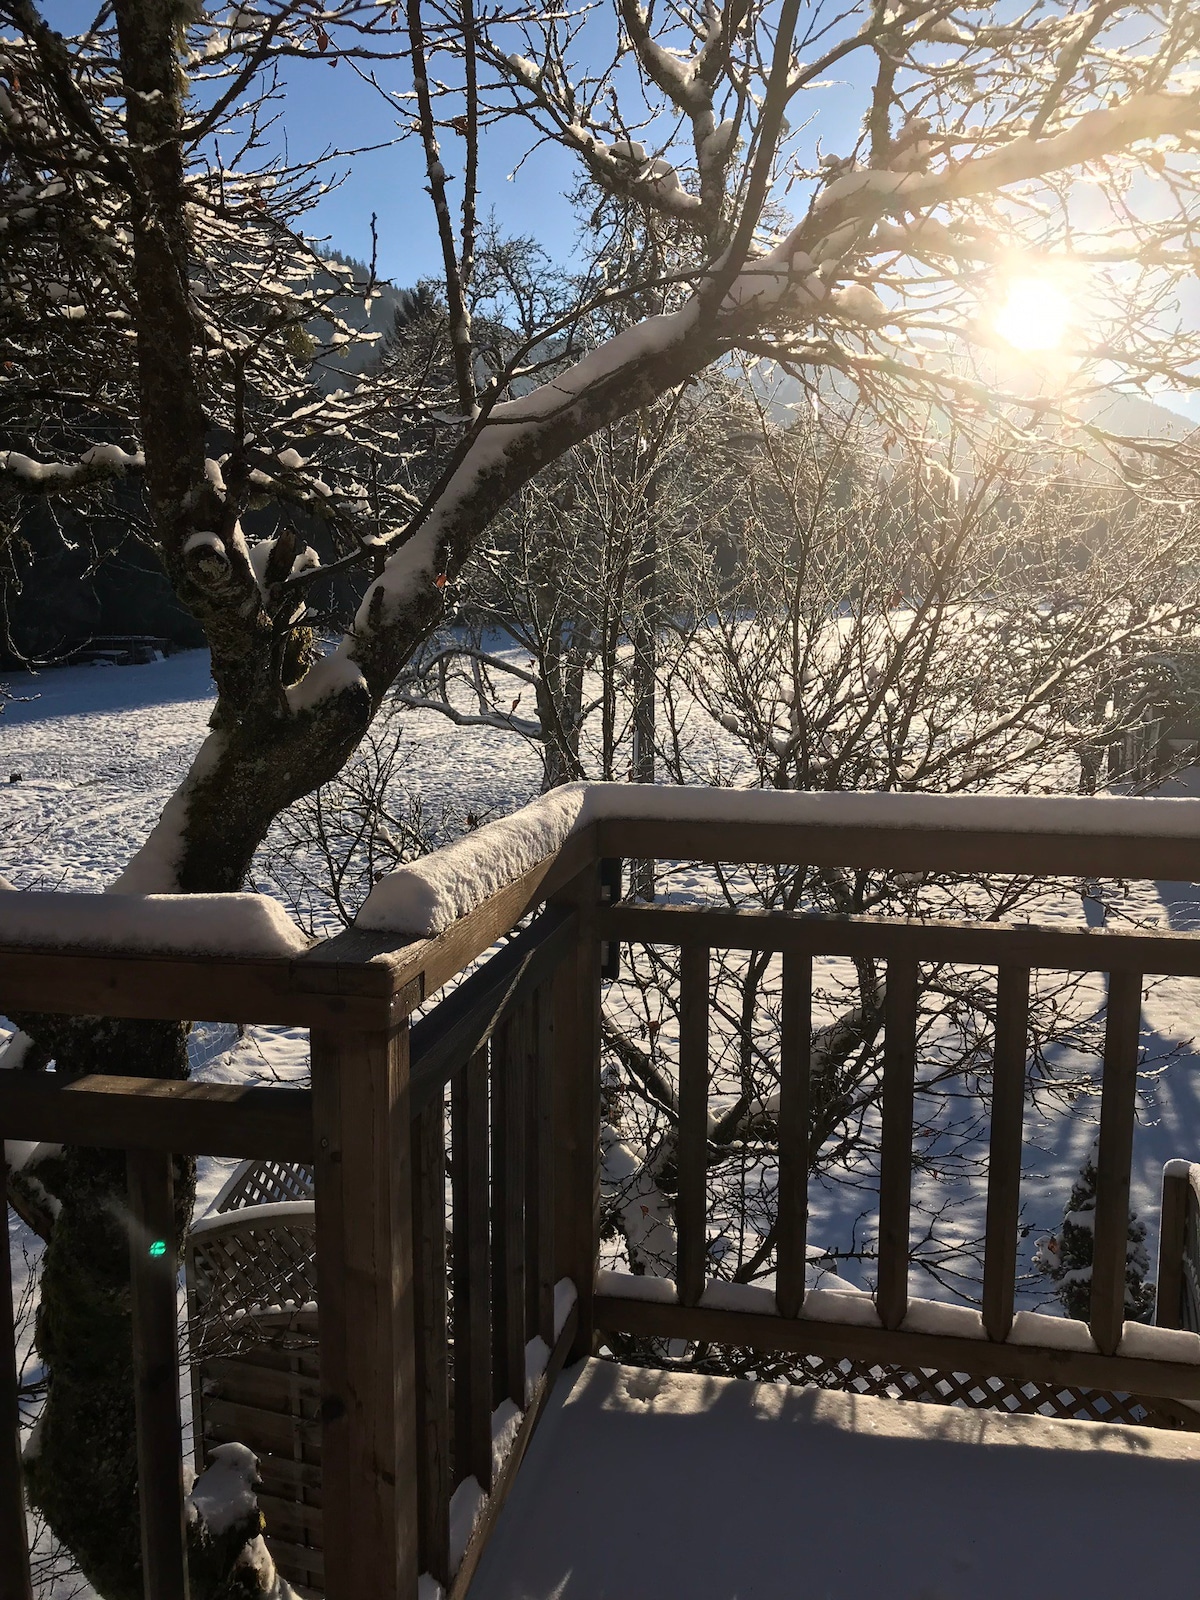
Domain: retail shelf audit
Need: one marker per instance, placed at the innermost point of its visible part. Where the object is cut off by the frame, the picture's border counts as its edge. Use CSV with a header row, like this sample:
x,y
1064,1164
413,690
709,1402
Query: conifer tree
x,y
1066,1257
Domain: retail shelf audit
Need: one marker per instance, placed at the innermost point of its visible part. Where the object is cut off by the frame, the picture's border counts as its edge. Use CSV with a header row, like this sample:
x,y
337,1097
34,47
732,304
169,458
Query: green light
x,y
158,1247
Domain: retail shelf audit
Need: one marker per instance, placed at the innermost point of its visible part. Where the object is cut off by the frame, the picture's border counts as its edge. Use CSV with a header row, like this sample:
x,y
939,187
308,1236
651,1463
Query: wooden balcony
x,y
439,1281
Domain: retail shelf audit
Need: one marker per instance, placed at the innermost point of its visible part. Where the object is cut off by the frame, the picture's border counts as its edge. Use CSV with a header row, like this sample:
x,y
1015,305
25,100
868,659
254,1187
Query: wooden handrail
x,y
931,939
185,1118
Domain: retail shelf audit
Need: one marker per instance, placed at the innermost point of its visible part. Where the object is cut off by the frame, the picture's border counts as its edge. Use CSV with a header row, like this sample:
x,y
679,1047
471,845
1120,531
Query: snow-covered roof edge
x,y
424,899
247,925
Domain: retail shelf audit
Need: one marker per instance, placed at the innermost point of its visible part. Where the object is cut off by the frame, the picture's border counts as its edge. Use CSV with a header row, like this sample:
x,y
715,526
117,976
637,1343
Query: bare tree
x,y
158,258
887,625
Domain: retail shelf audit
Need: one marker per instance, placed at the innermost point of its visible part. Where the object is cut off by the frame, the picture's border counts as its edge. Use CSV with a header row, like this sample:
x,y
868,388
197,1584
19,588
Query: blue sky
x,y
325,108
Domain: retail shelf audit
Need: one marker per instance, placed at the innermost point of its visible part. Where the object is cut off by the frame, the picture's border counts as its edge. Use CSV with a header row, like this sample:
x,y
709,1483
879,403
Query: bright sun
x,y
1035,315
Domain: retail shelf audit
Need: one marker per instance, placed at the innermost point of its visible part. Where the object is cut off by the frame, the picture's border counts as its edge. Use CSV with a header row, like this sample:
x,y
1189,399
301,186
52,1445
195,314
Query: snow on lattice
x,y
425,898
209,924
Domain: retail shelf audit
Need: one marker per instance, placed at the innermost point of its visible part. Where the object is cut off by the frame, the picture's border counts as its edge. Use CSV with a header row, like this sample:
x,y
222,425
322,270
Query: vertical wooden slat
x,y
1172,1240
433,1398
472,1319
1118,1105
795,1069
527,1034
895,1157
1004,1150
692,1153
14,1548
363,1196
154,1274
576,1078
541,1265
508,1215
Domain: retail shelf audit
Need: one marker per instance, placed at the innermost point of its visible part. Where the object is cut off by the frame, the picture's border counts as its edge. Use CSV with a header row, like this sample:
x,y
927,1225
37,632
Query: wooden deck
x,y
627,1482
644,1485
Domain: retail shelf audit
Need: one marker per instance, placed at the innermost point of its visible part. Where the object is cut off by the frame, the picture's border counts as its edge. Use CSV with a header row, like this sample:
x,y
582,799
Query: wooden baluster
x,y
575,1075
363,1136
795,1081
895,1156
472,1310
433,1408
508,1216
540,1156
154,1276
527,1032
15,1581
691,1208
1118,1105
1172,1241
1004,1150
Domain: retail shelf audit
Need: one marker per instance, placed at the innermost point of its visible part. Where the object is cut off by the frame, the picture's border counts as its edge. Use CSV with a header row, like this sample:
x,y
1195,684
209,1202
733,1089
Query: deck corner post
x,y
576,1080
1172,1241
366,1324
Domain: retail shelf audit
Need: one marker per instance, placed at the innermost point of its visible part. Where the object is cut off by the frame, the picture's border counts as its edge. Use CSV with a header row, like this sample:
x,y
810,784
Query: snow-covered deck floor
x,y
644,1485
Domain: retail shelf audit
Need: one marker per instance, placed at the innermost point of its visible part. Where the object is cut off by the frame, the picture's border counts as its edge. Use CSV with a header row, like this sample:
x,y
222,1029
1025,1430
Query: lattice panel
x,y
951,1388
263,1183
247,1268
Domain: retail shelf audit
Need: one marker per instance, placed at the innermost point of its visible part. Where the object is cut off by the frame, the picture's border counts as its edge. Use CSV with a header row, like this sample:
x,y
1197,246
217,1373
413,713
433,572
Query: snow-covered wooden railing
x,y
414,1467
408,1486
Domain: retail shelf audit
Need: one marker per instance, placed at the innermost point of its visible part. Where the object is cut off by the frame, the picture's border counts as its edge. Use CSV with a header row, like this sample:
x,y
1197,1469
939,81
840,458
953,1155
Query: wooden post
x,y
14,1542
1004,1150
154,1279
795,1082
433,1393
1172,1240
895,1156
541,1148
1118,1108
472,1305
369,1440
508,1214
691,1150
576,1002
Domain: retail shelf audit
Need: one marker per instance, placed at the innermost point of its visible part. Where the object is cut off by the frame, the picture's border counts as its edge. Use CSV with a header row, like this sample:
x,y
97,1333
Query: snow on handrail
x,y
426,897
248,925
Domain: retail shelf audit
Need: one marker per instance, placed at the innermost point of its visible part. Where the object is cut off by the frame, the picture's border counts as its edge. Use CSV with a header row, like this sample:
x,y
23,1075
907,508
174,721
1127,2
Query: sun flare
x,y
1035,315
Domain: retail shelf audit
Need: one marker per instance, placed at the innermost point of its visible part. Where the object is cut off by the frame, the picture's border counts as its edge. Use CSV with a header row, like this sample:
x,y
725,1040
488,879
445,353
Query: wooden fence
x,y
420,1342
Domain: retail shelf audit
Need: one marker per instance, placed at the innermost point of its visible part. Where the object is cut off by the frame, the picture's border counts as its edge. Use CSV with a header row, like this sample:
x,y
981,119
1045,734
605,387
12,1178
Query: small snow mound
x,y
224,1493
